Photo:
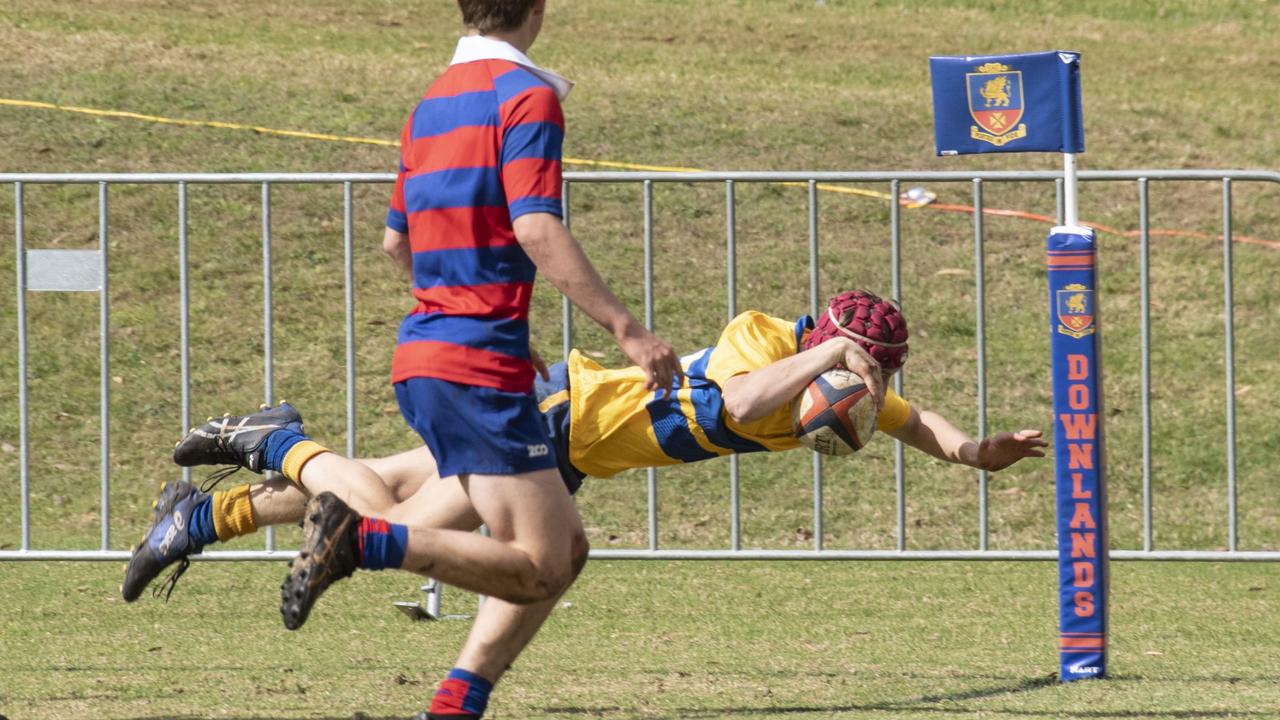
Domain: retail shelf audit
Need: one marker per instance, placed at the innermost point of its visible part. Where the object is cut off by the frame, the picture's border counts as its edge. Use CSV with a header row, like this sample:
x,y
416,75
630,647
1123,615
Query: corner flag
x,y
1007,103
1031,103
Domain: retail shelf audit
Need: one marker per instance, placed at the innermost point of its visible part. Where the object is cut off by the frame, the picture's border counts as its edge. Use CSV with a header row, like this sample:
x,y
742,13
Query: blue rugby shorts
x,y
472,429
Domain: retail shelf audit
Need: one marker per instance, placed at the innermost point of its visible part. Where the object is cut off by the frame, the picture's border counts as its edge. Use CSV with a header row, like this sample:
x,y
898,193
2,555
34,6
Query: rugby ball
x,y
835,414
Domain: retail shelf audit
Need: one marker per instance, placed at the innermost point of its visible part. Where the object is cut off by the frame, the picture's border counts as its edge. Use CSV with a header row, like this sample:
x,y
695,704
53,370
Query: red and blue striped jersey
x,y
481,149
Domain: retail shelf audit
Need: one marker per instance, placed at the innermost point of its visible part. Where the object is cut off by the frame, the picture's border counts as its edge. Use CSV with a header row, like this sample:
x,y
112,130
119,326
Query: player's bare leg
x,y
187,519
277,502
280,501
535,552
355,483
502,630
535,546
404,473
500,633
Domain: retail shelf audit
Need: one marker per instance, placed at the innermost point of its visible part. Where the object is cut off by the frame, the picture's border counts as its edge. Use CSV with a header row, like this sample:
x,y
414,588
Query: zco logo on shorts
x,y
539,450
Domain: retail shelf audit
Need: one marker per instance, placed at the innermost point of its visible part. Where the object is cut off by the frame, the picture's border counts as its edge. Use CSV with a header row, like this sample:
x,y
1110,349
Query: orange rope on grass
x,y
1152,232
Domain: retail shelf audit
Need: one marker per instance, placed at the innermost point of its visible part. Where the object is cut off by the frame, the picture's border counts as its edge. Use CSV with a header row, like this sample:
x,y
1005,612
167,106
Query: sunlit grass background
x,y
714,85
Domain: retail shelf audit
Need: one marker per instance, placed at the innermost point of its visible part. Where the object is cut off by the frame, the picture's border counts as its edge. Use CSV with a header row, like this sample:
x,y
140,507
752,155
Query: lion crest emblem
x,y
1075,311
995,103
996,91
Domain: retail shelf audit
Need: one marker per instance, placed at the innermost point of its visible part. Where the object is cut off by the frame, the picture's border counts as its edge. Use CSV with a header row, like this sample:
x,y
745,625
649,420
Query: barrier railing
x,y
87,270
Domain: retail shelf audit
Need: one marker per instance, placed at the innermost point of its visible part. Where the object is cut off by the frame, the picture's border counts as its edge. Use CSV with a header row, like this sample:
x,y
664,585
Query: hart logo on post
x,y
1075,310
995,103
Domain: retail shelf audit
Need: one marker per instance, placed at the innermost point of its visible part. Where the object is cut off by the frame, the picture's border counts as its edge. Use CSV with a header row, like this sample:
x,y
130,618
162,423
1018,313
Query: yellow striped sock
x,y
300,454
233,513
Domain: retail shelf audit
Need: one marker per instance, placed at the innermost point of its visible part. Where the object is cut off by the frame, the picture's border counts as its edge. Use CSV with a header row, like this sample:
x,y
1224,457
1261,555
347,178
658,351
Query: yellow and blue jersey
x,y
617,424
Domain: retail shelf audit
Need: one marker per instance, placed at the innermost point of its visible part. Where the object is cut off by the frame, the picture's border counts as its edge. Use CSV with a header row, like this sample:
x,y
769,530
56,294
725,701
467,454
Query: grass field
x,y
641,640
716,85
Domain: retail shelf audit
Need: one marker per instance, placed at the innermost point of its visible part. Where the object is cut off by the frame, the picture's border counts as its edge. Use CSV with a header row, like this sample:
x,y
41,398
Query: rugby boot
x,y
165,543
330,551
239,440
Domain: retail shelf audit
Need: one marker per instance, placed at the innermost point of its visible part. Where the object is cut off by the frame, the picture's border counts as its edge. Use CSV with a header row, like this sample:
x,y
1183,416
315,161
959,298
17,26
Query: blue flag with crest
x,y
1007,103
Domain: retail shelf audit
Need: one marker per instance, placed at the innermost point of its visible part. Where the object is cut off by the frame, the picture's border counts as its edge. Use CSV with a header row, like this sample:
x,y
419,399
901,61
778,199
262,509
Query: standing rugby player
x,y
475,211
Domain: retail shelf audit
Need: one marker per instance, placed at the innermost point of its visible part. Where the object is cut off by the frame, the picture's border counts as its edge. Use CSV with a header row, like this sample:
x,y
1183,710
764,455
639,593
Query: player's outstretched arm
x,y
559,257
931,433
754,395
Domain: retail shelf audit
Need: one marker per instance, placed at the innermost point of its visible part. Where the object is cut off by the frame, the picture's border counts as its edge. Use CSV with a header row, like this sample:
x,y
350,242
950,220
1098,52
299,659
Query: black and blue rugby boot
x,y
239,440
165,542
330,551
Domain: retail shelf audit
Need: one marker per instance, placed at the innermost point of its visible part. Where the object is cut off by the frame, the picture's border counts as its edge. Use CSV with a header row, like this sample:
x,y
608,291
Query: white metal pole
x,y
1069,182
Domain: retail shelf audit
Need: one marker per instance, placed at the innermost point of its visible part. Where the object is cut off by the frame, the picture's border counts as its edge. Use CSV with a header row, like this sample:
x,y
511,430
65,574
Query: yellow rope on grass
x,y
826,187
366,141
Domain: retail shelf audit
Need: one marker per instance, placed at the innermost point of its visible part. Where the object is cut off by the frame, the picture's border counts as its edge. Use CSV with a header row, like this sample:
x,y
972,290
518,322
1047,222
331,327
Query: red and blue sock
x,y
382,544
461,696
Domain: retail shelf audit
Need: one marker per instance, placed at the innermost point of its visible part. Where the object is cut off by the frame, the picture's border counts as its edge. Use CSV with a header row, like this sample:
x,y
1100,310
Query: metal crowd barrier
x,y
87,270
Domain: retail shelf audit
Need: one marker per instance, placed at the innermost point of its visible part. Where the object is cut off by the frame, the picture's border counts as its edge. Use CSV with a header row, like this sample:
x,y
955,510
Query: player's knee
x,y
579,549
552,578
542,584
553,582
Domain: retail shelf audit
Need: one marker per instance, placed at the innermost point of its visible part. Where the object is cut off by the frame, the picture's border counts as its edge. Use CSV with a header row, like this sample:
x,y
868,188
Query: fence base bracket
x,y
429,608
415,611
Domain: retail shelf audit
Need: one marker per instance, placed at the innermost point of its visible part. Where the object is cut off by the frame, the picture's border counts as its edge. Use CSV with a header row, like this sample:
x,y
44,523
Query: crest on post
x,y
995,103
1075,311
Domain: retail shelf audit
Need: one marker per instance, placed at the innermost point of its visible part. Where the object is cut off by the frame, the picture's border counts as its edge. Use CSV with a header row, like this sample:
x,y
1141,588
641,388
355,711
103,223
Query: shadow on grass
x,y
901,708
979,693
924,705
931,705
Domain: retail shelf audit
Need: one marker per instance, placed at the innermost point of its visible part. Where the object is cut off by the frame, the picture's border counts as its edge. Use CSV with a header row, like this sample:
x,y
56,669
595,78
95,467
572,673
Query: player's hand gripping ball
x,y
835,414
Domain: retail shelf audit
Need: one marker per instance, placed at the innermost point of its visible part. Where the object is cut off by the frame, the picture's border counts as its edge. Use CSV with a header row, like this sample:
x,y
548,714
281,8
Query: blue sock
x,y
382,544
201,531
462,694
278,444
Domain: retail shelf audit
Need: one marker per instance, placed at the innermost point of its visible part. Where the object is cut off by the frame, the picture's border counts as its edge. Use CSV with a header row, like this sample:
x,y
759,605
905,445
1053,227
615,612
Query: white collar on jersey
x,y
478,47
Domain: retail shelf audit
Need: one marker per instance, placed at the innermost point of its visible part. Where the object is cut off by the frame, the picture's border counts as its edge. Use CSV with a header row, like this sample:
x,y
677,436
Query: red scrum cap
x,y
874,323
